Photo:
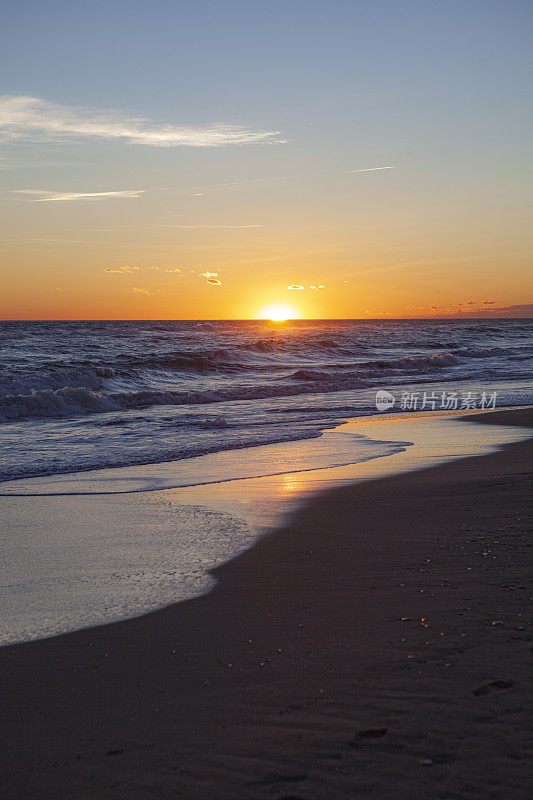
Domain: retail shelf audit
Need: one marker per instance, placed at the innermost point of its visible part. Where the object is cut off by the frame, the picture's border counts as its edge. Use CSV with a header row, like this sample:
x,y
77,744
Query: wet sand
x,y
379,646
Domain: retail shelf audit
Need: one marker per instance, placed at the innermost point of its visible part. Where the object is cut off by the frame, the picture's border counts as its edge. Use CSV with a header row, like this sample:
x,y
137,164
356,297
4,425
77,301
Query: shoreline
x,y
265,686
126,542
8,486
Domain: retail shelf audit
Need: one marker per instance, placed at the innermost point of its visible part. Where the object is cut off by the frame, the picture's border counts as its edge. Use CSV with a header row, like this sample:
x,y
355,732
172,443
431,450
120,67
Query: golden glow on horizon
x,y
278,312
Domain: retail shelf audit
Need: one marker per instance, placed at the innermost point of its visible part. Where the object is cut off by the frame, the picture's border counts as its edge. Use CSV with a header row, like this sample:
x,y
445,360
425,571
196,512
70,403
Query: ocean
x,y
89,395
189,411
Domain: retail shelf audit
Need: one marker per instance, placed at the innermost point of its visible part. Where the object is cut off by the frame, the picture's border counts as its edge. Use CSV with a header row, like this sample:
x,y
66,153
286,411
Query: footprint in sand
x,y
487,688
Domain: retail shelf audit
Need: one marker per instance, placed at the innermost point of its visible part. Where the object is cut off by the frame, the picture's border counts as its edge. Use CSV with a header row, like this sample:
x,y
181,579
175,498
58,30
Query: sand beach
x,y
378,646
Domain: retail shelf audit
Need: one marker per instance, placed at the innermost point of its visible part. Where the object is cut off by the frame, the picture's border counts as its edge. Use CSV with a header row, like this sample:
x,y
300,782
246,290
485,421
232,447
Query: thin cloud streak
x,y
52,197
253,180
126,270
283,178
368,169
35,119
195,227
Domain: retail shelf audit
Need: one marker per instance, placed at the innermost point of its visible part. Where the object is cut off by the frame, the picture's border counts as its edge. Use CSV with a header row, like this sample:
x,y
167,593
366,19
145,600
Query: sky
x,y
211,160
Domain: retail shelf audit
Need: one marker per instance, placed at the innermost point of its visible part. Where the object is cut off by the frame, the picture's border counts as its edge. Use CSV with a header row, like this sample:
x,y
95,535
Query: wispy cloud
x,y
486,308
127,270
252,180
216,186
138,290
525,309
196,227
39,240
368,169
35,119
299,288
47,197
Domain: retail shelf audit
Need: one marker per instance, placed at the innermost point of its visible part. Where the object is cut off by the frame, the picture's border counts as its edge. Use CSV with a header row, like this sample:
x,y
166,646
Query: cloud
x,y
368,169
487,308
35,119
252,180
317,288
242,183
521,308
127,270
295,286
212,278
138,290
47,197
194,227
59,289
281,178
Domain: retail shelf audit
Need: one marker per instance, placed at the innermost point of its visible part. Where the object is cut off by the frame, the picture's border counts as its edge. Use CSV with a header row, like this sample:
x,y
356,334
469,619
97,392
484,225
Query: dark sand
x,y
296,677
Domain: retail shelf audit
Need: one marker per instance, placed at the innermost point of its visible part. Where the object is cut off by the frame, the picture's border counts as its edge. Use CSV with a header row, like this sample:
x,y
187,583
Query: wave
x,y
74,402
312,375
414,363
60,403
54,369
89,399
53,378
407,365
272,355
206,361
310,343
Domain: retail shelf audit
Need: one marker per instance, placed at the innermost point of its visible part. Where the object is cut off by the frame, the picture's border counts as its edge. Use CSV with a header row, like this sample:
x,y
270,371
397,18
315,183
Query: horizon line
x,y
262,319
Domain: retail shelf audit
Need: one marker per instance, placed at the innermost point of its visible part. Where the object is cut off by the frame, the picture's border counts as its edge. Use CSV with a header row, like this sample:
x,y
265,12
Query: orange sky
x,y
379,151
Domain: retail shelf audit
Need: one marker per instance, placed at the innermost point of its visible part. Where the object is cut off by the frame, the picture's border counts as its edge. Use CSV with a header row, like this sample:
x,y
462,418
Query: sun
x,y
278,312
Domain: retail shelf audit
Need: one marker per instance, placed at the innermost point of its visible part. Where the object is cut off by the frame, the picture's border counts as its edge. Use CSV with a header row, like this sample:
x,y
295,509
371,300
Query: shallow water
x,y
89,548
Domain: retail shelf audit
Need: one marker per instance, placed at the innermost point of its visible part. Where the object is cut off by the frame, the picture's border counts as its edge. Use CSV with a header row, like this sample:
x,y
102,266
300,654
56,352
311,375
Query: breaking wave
x,y
75,395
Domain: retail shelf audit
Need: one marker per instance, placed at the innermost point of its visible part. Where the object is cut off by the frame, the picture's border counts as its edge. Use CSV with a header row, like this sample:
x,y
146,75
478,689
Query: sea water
x,y
84,395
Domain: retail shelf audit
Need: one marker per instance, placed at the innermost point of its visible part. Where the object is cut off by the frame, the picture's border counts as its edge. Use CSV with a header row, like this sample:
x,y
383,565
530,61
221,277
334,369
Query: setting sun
x,y
278,312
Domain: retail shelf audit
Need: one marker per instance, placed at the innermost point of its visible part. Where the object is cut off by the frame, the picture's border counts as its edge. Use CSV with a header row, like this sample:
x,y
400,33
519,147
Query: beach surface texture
x,y
379,646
